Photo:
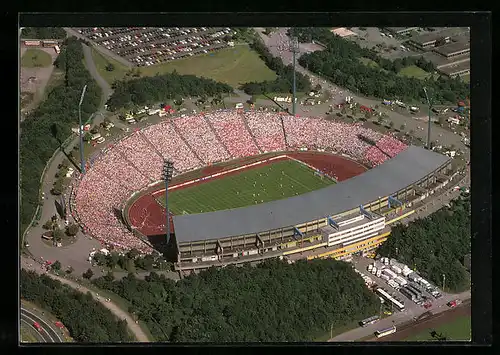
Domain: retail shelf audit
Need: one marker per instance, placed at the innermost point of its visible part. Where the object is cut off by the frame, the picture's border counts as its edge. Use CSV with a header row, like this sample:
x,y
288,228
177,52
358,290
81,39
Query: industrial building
x,y
433,39
456,69
453,49
335,221
401,31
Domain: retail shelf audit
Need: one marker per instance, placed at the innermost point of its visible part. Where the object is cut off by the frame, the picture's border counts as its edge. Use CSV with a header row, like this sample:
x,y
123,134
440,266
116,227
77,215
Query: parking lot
x,y
145,46
411,308
373,36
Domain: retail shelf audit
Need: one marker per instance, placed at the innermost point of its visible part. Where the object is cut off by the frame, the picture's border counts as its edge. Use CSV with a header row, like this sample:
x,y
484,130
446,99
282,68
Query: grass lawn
x,y
414,72
102,61
368,62
459,329
272,182
466,78
233,66
27,335
36,58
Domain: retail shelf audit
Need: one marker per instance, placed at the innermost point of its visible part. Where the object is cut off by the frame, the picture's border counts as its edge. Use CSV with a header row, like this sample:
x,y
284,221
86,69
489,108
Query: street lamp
x,y
444,278
168,170
82,162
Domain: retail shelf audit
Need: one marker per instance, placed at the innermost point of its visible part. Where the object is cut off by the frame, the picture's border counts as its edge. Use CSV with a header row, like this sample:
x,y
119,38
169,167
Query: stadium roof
x,y
405,169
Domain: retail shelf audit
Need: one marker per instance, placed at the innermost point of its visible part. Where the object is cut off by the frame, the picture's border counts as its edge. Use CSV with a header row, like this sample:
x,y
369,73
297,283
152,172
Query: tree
x,y
391,124
402,127
132,254
48,225
317,88
110,67
72,229
88,274
56,266
70,270
58,234
412,132
343,111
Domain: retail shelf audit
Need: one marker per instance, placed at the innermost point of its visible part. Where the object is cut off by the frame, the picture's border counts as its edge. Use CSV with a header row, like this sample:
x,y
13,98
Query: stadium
x,y
252,185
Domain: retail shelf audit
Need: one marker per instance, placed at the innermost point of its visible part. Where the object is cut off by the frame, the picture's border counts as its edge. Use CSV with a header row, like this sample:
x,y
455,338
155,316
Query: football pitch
x,y
257,185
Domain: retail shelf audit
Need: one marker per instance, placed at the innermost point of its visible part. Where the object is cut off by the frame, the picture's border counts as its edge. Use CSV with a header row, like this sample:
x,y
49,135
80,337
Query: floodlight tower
x,y
168,169
428,123
294,46
82,162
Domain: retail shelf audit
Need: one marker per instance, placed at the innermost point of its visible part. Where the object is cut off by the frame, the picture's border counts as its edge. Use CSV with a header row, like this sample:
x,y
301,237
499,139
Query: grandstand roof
x,y
395,174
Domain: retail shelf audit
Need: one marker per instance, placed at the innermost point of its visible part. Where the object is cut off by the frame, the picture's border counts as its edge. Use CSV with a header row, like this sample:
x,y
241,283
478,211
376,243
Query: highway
x,y
48,334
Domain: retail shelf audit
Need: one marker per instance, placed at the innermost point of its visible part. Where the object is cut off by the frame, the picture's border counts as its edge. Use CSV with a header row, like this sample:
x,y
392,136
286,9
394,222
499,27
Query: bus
x,y
369,321
399,305
384,332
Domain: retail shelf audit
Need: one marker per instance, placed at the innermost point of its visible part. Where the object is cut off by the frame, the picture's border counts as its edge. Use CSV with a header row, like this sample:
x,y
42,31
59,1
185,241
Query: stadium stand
x,y
130,164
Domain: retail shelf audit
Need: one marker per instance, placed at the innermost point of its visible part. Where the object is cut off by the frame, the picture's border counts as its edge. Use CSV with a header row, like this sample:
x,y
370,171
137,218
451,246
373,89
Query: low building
x,y
458,69
430,40
401,31
453,49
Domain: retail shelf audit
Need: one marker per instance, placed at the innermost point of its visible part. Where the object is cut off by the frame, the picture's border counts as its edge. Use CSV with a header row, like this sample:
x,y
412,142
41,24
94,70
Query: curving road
x,y
48,334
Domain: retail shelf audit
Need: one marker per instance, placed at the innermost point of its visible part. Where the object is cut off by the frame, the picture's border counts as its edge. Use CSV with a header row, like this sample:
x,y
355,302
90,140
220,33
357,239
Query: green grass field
x,y
36,58
233,66
368,62
458,330
414,71
268,183
102,61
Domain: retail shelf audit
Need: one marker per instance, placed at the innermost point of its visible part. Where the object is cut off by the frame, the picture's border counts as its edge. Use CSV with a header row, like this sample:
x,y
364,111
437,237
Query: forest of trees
x,y
152,90
340,62
43,33
273,301
436,245
46,127
283,83
86,319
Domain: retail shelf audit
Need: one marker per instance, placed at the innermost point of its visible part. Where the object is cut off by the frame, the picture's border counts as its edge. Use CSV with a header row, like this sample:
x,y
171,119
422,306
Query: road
x,y
49,334
134,328
399,318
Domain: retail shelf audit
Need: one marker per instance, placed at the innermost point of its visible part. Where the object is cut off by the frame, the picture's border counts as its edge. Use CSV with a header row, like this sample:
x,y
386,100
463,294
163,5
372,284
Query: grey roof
x,y
455,68
395,174
451,48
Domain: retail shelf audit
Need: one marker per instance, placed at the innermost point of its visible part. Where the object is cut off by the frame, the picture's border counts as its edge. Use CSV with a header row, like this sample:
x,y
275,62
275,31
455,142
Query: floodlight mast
x,y
82,162
168,170
428,123
295,49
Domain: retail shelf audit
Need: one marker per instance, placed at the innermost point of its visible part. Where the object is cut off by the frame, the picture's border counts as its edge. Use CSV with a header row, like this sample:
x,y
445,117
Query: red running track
x,y
148,216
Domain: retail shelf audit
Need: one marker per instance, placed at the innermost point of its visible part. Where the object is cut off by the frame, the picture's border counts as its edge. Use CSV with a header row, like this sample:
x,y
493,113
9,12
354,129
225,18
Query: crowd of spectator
x,y
145,46
136,161
201,139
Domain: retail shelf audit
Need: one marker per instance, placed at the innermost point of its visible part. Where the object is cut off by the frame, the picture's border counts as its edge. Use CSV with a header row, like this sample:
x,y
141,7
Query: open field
x,y
101,62
368,62
233,66
268,183
457,330
35,58
414,71
36,81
